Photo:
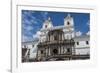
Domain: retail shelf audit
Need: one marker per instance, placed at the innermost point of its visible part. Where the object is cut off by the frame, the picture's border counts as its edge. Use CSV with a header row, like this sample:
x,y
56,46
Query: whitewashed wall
x,y
82,47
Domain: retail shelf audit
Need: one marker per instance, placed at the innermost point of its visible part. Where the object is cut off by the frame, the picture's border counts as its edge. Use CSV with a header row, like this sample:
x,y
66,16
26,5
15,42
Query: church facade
x,y
61,43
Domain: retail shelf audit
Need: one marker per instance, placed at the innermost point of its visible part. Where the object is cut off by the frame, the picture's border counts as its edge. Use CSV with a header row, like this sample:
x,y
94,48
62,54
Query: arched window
x,y
77,43
55,37
41,51
68,23
87,42
45,26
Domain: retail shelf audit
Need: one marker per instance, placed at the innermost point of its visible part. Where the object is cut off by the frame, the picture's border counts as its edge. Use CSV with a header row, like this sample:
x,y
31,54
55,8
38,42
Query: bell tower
x,y
68,21
47,24
69,27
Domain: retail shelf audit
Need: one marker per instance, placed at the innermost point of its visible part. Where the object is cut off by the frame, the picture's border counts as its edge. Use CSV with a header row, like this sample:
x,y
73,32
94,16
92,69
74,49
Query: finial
x,y
49,18
69,15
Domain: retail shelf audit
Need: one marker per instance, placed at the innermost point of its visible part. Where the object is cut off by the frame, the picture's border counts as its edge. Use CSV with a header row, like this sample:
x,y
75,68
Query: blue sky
x,y
32,22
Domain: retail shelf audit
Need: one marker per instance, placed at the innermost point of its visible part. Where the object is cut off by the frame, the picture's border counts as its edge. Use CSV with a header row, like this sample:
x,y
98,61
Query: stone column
x,y
49,51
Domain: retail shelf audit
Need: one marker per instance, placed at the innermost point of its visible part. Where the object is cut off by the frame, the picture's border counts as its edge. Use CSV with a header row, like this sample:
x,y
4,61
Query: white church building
x,y
58,43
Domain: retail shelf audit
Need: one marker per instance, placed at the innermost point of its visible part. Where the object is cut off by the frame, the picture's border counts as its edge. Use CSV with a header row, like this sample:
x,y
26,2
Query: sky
x,y
32,21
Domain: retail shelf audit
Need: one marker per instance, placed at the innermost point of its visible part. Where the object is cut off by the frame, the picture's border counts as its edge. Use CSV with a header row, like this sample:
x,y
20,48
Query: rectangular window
x,y
56,37
87,42
41,51
32,45
77,43
68,50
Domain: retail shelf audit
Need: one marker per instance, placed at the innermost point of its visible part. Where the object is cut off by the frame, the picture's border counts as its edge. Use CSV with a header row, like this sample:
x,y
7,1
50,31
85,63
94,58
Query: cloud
x,y
26,38
31,21
30,24
88,23
88,33
29,18
27,28
44,15
27,13
37,35
79,33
